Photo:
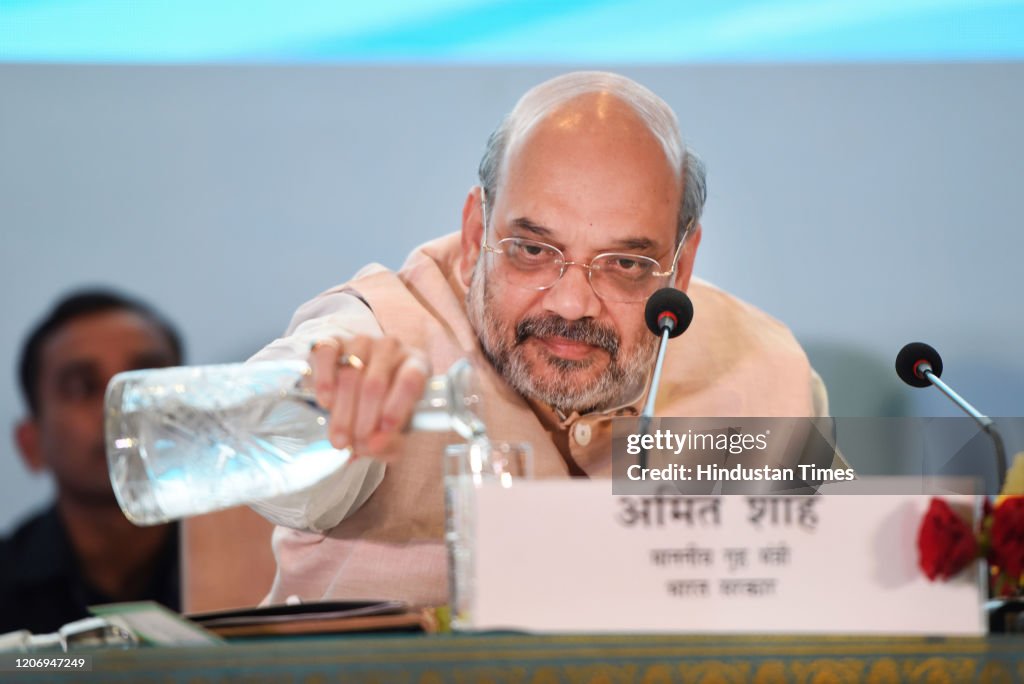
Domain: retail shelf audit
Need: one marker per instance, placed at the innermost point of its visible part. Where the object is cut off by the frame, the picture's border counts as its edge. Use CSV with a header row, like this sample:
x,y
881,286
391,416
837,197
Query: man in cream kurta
x,y
588,203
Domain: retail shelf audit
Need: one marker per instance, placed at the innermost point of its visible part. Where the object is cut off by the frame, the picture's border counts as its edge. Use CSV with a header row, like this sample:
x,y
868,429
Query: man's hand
x,y
370,386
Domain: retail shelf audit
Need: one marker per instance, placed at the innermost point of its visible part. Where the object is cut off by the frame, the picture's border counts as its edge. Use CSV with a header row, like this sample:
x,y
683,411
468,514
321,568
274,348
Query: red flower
x,y
1008,537
945,543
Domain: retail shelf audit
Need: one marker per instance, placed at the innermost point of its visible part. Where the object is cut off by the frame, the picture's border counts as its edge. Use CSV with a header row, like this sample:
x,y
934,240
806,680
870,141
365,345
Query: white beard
x,y
622,380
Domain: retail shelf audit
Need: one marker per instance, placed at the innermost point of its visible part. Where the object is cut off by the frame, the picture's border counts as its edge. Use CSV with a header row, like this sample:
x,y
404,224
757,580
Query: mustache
x,y
584,330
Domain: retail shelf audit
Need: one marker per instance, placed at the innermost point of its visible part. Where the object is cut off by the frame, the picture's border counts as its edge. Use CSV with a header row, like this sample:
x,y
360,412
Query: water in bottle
x,y
189,440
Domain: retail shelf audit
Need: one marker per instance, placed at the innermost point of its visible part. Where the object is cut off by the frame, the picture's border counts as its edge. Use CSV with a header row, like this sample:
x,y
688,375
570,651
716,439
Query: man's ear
x,y
26,435
684,267
472,233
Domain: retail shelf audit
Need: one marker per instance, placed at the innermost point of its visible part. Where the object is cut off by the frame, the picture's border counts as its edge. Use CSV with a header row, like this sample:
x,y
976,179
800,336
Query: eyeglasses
x,y
614,276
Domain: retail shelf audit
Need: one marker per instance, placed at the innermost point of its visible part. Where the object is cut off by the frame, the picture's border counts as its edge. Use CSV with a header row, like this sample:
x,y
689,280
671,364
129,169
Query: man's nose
x,y
572,297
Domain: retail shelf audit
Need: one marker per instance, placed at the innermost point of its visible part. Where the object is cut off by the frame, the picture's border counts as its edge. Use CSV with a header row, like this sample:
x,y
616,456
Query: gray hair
x,y
652,110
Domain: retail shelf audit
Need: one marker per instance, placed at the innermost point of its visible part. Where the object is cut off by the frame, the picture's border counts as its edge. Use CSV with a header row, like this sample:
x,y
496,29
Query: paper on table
x,y
155,624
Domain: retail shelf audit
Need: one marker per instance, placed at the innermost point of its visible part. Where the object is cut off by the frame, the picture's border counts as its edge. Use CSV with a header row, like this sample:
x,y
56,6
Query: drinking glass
x,y
466,468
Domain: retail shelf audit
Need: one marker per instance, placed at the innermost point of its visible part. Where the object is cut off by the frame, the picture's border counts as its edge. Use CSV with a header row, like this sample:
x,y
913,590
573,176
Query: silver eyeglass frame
x,y
585,265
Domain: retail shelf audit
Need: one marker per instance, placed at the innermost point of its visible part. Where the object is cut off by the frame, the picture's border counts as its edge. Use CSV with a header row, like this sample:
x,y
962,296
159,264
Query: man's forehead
x,y
597,130
100,335
592,162
594,114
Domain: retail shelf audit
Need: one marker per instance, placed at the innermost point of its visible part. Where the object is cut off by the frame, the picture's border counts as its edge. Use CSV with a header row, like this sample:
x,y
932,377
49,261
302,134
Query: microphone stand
x,y
984,422
648,412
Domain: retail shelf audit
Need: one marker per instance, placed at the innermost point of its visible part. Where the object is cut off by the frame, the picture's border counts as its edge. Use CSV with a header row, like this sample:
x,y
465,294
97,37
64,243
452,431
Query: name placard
x,y
568,556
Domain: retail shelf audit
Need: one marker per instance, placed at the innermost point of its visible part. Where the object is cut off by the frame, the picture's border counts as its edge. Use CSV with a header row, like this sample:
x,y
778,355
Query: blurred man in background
x,y
81,550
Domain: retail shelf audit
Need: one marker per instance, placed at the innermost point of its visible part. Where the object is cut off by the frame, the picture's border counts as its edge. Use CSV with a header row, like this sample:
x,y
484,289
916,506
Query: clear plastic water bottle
x,y
190,440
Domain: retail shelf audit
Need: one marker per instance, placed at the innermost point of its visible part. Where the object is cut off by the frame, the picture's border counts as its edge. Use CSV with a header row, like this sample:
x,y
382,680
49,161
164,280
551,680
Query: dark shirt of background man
x,y
81,550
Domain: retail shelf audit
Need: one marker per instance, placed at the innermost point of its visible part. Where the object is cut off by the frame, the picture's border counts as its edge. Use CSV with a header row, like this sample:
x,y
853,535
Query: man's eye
x,y
627,267
80,388
624,264
525,251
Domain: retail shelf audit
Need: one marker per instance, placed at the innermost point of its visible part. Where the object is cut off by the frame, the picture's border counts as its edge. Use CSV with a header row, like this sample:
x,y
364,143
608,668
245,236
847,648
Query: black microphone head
x,y
669,304
910,357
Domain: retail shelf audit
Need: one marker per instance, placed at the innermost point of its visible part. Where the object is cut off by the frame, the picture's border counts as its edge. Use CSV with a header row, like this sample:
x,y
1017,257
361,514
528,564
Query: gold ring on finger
x,y
351,360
